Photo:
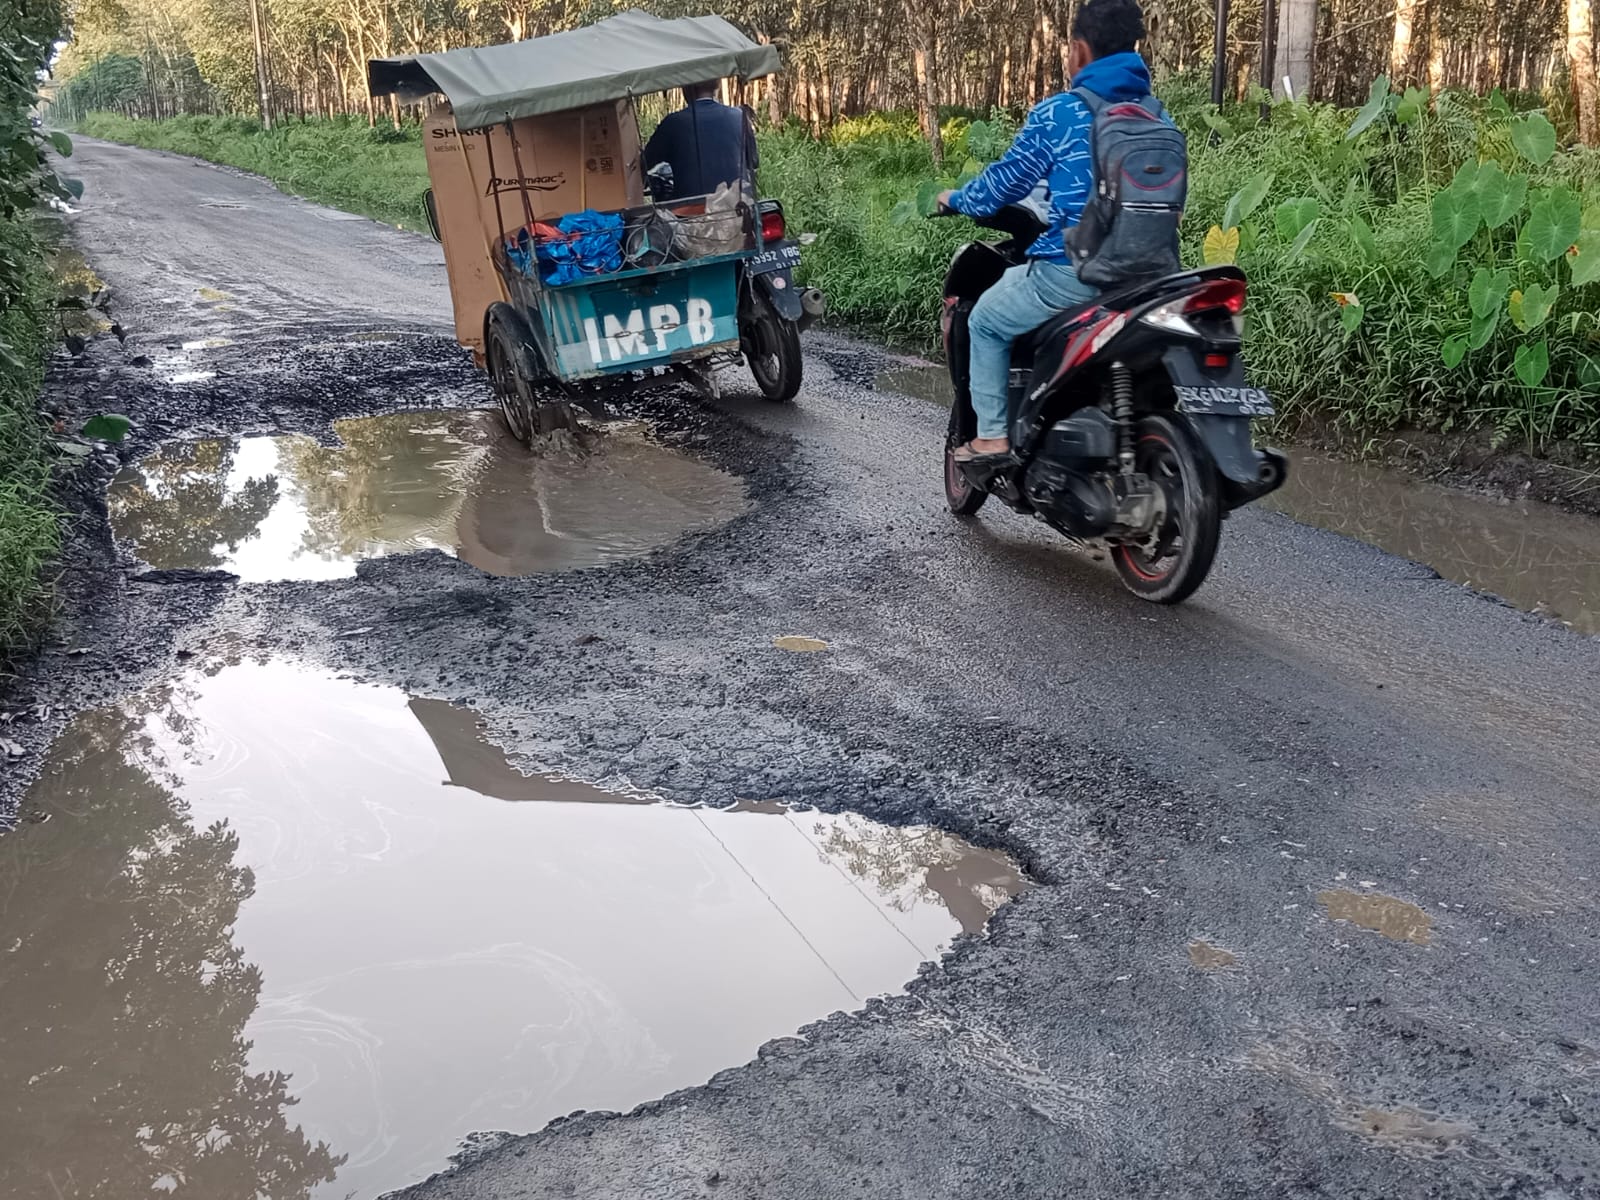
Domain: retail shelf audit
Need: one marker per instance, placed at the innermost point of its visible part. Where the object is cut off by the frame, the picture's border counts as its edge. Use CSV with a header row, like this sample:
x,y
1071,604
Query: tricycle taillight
x,y
772,227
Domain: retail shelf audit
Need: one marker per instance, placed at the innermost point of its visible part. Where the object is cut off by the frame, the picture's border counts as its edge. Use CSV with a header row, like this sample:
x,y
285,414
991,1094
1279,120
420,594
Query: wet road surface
x,y
1370,789
358,889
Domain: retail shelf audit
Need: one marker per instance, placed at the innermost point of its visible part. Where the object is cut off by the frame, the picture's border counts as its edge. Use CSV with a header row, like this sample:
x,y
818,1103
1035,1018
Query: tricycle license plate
x,y
780,258
1224,401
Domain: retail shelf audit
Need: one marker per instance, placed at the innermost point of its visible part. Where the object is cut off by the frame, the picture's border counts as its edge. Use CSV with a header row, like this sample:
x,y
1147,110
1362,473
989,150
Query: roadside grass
x,y
29,521
1349,323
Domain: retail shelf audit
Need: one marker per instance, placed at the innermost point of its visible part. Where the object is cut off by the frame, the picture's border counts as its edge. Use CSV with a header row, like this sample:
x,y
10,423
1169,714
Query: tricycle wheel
x,y
772,348
509,357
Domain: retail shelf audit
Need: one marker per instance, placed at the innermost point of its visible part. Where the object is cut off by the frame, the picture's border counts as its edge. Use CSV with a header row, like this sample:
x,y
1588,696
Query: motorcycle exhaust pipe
x,y
813,305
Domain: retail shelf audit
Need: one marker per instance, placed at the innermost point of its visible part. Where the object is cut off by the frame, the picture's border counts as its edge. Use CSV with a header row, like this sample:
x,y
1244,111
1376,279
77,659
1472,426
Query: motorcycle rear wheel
x,y
1168,570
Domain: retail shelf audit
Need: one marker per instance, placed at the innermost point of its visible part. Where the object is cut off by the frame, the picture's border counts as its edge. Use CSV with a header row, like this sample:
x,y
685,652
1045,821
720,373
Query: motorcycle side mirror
x,y
431,208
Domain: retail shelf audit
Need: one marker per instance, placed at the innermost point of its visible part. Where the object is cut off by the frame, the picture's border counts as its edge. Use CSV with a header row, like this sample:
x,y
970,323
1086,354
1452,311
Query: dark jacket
x,y
707,143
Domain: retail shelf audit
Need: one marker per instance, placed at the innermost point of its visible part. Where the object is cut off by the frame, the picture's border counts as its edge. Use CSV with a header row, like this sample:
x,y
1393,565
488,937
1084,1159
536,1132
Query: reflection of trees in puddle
x,y
177,508
77,285
922,865
451,480
123,999
395,482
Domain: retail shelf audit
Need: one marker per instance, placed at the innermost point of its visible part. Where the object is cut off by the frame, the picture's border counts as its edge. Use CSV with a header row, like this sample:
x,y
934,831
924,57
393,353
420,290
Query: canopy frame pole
x,y
522,176
699,158
494,182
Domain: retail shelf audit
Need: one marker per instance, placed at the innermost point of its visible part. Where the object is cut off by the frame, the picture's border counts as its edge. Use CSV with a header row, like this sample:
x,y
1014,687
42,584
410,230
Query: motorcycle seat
x,y
1128,296
1054,329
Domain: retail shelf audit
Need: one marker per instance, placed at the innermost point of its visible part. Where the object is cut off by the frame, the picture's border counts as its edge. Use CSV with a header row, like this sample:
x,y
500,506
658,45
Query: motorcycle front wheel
x,y
960,497
1178,556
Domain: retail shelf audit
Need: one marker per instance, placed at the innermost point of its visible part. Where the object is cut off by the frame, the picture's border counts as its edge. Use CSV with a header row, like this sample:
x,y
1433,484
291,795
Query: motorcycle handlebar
x,y
1014,220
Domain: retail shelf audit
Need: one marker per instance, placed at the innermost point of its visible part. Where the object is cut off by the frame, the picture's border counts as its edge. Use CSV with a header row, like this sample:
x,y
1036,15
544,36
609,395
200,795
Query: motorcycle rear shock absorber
x,y
1122,414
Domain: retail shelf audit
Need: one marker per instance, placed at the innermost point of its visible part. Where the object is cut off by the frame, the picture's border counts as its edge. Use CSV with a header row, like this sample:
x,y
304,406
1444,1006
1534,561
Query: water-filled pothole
x,y
272,508
1535,556
284,934
923,383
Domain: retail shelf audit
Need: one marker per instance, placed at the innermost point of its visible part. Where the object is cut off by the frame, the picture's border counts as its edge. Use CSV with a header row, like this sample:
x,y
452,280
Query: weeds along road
x,y
1321,719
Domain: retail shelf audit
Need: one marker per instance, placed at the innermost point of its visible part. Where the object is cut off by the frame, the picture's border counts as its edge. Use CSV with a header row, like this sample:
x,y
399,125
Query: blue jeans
x,y
1025,298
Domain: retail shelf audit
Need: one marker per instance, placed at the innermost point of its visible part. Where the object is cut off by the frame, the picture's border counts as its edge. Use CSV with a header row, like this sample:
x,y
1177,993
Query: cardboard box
x,y
588,158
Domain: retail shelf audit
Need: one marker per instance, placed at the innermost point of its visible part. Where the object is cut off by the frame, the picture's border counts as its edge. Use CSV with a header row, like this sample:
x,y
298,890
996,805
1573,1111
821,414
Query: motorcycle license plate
x,y
1224,401
779,258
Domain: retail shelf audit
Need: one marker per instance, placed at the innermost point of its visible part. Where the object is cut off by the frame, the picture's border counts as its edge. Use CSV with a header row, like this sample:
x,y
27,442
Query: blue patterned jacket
x,y
1053,149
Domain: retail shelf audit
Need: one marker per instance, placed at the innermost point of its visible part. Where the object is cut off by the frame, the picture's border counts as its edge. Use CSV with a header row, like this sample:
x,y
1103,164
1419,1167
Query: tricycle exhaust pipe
x,y
813,305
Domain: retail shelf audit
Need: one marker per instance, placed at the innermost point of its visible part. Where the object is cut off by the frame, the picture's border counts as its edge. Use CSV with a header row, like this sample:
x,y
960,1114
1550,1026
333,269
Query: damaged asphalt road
x,y
1322,719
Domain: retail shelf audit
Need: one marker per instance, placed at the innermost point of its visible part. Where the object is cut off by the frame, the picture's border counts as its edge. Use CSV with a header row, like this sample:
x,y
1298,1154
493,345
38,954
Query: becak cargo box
x,y
488,182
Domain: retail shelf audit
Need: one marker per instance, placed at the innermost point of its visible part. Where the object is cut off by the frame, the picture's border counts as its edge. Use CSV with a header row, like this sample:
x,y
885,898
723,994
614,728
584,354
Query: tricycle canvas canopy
x,y
631,54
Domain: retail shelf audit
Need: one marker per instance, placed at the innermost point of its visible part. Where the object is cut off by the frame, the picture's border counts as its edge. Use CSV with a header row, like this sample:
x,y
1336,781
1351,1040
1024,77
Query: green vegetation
x,y
1395,281
1429,261
29,536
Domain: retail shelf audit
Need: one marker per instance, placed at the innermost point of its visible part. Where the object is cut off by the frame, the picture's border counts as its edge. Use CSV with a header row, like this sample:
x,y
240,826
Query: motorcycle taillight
x,y
772,226
1219,293
1214,296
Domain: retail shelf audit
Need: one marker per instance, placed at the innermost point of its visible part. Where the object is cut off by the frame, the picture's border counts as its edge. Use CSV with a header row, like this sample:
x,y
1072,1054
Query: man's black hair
x,y
1109,26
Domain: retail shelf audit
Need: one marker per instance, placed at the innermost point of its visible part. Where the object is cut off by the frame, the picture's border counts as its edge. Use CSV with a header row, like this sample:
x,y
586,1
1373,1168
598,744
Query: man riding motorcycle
x,y
1053,148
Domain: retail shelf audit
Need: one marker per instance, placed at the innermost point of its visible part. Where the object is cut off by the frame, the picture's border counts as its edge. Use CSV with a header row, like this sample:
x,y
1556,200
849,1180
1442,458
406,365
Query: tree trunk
x,y
1406,13
924,65
1581,67
1297,38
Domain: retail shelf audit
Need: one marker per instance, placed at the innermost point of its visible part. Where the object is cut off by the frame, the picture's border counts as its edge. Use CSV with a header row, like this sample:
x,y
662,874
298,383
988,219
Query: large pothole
x,y
276,508
272,932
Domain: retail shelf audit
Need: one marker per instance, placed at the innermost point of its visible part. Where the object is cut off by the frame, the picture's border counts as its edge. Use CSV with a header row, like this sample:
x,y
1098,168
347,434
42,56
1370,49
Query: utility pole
x,y
261,65
1297,40
1269,53
1219,60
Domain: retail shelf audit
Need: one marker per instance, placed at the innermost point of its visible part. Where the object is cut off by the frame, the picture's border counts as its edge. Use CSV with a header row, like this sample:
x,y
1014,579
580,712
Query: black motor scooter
x,y
1129,416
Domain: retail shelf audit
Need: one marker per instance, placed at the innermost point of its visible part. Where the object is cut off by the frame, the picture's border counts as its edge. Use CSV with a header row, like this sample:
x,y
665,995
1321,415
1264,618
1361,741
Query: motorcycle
x,y
1129,416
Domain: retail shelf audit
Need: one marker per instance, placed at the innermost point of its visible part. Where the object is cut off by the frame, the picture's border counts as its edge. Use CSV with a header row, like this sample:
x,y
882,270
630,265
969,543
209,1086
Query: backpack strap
x,y
1093,101
1096,103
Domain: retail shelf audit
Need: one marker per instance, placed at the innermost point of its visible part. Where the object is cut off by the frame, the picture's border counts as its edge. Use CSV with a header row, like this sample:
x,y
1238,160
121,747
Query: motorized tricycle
x,y
573,276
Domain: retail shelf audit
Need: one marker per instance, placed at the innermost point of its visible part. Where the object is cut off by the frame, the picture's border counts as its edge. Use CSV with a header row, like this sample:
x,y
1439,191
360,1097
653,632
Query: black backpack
x,y
1129,227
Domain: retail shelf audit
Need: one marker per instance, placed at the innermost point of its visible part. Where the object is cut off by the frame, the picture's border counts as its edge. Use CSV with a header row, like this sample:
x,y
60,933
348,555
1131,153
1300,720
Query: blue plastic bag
x,y
593,246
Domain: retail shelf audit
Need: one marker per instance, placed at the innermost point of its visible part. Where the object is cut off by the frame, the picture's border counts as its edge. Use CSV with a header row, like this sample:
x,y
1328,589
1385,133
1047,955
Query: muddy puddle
x,y
1398,920
275,508
265,931
922,383
1203,956
1535,556
78,292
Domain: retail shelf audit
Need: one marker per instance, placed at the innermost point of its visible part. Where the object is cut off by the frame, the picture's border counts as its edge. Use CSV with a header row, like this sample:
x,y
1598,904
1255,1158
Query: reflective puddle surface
x,y
268,932
923,383
273,508
1534,555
